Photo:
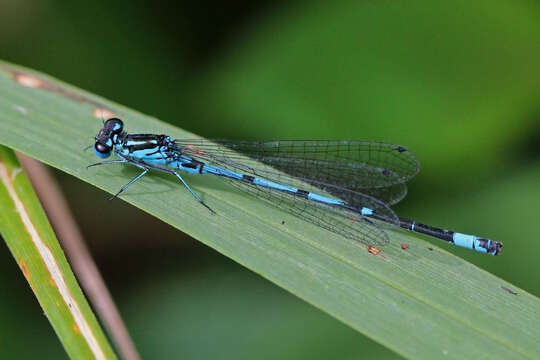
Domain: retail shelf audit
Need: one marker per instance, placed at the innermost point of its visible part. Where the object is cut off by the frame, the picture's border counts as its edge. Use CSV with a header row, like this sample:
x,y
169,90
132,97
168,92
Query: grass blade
x,y
28,234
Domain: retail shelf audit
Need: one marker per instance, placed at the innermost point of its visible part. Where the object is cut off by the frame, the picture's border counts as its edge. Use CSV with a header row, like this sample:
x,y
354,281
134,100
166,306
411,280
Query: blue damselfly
x,y
344,186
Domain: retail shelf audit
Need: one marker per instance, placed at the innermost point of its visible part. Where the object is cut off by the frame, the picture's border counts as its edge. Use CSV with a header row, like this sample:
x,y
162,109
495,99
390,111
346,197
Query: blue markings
x,y
464,240
117,126
471,242
102,155
348,171
324,199
140,142
273,185
366,211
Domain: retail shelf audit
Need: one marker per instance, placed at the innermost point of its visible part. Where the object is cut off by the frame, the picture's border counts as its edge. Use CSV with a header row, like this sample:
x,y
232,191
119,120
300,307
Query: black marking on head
x,y
302,193
387,172
114,125
248,178
401,149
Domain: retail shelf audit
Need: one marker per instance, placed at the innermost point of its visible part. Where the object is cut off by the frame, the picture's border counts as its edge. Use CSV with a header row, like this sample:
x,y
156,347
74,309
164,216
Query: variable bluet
x,y
344,186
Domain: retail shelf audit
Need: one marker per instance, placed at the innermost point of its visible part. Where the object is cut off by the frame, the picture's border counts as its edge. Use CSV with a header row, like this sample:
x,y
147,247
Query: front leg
x,y
124,160
141,166
145,170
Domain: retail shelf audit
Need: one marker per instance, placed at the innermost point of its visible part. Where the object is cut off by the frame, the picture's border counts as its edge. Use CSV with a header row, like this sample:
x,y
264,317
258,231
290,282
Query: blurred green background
x,y
457,82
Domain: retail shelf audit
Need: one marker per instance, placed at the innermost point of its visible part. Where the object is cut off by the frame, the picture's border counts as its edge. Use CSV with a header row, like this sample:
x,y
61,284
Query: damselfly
x,y
344,186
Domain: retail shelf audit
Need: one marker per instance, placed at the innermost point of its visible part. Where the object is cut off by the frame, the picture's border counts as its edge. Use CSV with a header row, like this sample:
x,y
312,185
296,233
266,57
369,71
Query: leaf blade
x,y
31,240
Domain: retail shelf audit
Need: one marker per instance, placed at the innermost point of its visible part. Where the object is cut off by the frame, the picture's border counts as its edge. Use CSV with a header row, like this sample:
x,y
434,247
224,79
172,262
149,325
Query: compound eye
x,y
115,125
102,150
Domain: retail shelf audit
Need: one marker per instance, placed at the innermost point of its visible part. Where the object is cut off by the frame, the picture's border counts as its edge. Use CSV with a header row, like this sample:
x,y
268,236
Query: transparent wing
x,y
373,168
390,195
351,164
346,222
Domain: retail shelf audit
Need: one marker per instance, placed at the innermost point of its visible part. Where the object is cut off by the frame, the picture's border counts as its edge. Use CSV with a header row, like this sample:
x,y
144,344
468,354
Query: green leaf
x,y
31,240
419,302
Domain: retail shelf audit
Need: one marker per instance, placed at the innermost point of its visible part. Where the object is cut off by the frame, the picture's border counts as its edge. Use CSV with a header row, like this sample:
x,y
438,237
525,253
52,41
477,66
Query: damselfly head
x,y
106,138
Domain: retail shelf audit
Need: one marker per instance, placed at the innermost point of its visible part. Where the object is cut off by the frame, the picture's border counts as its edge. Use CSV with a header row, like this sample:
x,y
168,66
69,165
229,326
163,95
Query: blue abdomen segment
x,y
273,185
472,242
367,211
324,199
464,240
